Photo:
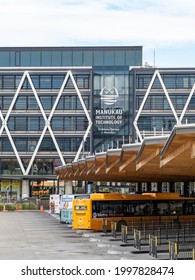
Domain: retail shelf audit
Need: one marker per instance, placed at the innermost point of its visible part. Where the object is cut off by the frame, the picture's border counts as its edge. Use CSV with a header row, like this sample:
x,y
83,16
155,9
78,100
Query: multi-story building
x,y
58,104
163,98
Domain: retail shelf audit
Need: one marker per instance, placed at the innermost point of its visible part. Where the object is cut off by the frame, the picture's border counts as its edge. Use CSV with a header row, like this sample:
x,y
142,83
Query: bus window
x,y
189,207
128,208
106,208
143,208
148,209
162,208
176,207
100,209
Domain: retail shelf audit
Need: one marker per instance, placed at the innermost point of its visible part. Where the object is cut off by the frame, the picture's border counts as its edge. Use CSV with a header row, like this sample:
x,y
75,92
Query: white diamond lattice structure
x,y
4,119
177,118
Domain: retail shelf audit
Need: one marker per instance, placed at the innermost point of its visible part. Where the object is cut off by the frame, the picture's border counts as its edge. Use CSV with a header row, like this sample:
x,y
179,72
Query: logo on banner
x,y
109,95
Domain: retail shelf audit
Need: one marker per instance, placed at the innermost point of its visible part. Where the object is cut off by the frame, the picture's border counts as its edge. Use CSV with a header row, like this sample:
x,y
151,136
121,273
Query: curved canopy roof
x,y
156,159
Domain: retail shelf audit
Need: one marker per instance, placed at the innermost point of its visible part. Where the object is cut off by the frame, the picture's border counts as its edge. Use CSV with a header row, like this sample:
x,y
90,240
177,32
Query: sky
x,y
165,29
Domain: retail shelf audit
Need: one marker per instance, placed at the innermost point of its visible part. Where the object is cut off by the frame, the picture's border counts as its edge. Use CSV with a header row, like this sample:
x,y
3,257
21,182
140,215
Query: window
x,y
25,58
36,81
81,123
119,58
36,58
33,123
67,58
20,123
9,82
46,58
68,102
4,58
21,103
46,102
87,58
47,145
109,58
57,124
67,123
7,102
32,103
176,207
45,82
6,145
57,81
60,105
56,58
21,144
77,58
98,58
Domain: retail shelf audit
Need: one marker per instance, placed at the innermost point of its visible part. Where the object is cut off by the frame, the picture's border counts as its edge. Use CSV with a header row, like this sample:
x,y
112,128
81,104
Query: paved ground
x,y
35,235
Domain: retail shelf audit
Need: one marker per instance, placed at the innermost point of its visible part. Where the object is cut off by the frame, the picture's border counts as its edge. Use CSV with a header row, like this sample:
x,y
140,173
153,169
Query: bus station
x,y
98,122
156,160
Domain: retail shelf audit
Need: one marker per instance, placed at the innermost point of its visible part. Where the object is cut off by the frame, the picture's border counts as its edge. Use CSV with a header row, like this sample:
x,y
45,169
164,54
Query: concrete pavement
x,y
36,235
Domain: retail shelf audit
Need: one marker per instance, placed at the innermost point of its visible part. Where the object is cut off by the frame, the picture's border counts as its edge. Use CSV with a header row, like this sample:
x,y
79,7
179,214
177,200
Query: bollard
x,y
41,208
17,207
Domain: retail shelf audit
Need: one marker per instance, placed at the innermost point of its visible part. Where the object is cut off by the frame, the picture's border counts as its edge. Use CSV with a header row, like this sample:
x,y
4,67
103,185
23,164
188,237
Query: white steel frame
x,y
27,74
178,119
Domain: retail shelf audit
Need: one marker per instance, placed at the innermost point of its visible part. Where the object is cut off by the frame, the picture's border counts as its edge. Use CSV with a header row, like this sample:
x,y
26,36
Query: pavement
x,y
39,235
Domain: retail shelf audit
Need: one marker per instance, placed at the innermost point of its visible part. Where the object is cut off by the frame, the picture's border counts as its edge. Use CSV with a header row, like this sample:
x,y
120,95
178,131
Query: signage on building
x,y
109,95
108,119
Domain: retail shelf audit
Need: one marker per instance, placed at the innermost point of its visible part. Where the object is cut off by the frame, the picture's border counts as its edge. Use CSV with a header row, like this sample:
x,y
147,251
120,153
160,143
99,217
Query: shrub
x,y
10,206
27,206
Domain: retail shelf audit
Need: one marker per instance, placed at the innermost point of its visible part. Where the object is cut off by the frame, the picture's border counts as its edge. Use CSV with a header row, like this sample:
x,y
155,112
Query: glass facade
x,y
165,96
43,119
43,122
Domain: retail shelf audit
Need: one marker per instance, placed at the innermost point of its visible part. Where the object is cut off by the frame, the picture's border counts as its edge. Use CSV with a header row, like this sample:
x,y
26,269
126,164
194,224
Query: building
x,y
161,155
59,104
164,97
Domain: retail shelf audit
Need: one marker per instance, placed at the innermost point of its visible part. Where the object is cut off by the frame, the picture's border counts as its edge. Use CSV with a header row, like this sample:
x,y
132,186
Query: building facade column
x,y
25,188
68,187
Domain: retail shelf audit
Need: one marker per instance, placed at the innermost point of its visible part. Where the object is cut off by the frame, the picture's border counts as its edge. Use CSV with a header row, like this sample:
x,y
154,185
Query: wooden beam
x,y
177,152
193,148
100,167
114,163
147,159
127,162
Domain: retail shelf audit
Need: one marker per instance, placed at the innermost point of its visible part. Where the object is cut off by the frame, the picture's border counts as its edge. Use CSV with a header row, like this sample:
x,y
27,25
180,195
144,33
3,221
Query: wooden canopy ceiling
x,y
156,159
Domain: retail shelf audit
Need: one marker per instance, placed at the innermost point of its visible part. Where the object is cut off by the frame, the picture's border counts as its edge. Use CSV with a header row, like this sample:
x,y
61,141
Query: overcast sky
x,y
165,29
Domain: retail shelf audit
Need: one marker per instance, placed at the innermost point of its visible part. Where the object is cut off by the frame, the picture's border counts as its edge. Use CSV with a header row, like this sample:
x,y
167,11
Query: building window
x,y
45,82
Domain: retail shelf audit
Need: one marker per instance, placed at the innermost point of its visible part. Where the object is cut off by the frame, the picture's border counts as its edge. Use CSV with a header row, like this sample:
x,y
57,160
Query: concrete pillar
x,y
25,188
68,187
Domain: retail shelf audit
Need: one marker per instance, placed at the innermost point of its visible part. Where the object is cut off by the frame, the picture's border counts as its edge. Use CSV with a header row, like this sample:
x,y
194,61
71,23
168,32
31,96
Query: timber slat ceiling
x,y
158,158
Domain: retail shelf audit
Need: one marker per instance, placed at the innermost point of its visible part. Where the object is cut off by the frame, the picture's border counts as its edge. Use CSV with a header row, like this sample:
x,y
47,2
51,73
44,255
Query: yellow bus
x,y
88,213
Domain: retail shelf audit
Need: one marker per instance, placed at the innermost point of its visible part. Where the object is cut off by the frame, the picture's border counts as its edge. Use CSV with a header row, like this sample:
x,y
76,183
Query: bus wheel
x,y
119,224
